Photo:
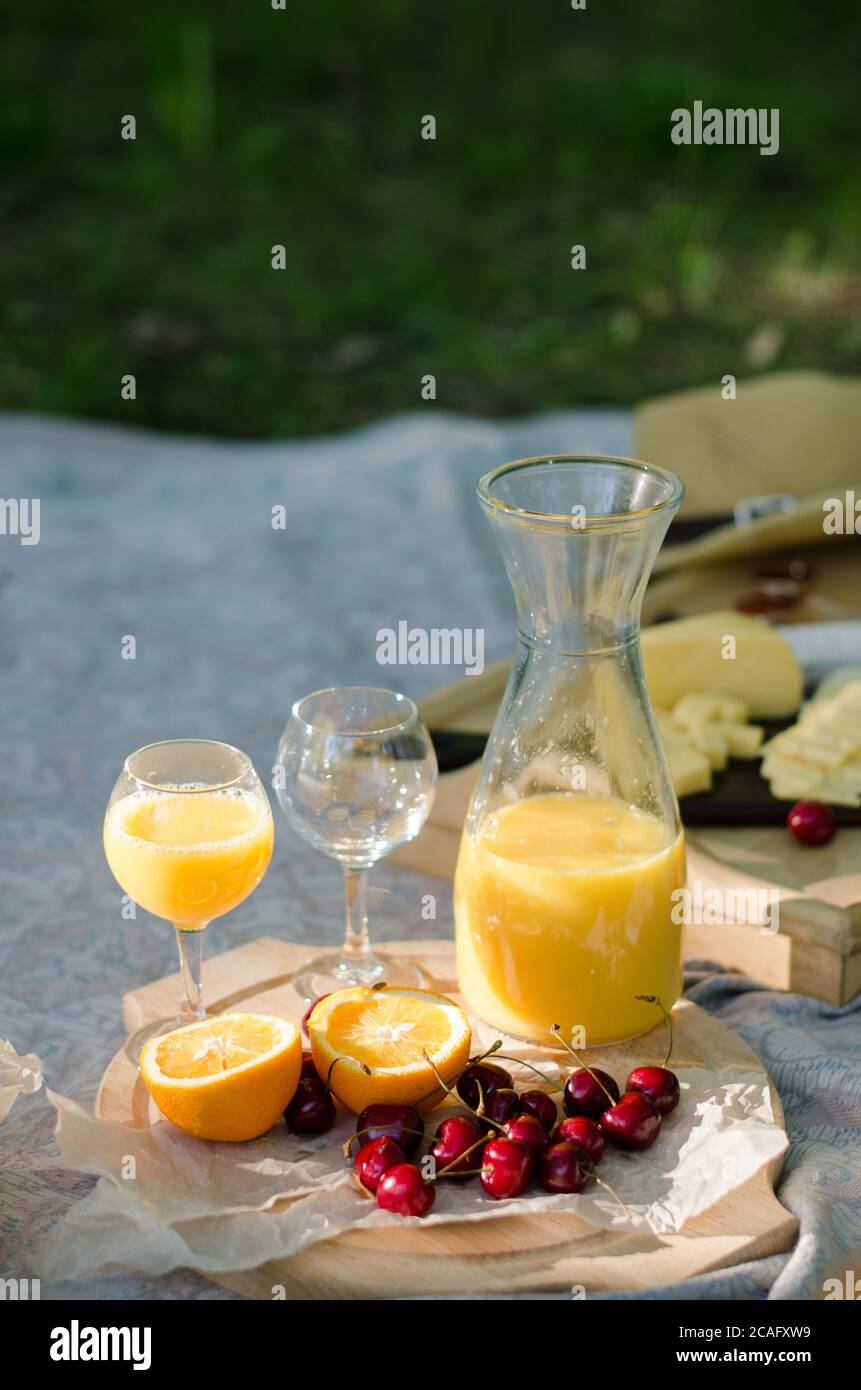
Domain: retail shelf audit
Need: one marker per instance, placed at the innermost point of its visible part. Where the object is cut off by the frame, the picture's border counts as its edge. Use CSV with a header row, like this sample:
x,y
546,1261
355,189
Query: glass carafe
x,y
572,848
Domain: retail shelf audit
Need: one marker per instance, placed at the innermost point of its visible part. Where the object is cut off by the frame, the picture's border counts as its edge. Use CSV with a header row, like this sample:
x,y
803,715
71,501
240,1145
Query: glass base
x,y
335,970
135,1043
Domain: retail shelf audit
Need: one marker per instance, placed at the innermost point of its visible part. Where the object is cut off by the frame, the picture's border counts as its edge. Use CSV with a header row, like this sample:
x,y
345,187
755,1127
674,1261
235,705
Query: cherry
x,y
560,1168
486,1075
812,823
633,1123
580,1130
312,1109
526,1129
657,1084
403,1123
403,1190
375,1159
455,1136
589,1092
310,1009
506,1168
308,1067
502,1105
542,1106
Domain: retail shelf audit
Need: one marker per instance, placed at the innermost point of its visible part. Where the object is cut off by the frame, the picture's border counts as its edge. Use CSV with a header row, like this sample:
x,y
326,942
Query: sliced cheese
x,y
694,709
742,740
699,736
835,681
706,738
691,656
690,770
820,756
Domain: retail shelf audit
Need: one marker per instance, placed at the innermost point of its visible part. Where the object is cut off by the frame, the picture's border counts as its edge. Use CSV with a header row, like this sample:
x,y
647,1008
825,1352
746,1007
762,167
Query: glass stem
x,y
356,943
190,944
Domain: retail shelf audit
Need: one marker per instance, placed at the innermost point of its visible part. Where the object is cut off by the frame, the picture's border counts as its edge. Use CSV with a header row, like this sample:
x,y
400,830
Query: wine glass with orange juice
x,y
188,835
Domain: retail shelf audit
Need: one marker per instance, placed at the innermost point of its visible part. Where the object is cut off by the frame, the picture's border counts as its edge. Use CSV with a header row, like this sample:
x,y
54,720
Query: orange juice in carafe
x,y
564,913
572,848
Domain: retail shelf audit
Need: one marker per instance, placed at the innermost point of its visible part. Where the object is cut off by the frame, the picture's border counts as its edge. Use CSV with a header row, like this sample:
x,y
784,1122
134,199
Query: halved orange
x,y
388,1031
227,1078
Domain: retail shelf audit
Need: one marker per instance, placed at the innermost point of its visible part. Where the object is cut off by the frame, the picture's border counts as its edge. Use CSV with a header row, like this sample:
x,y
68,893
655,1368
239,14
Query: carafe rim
x,y
498,507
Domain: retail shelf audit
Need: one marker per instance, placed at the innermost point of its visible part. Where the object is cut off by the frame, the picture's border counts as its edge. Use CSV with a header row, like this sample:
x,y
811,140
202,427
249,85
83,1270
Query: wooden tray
x,y
518,1254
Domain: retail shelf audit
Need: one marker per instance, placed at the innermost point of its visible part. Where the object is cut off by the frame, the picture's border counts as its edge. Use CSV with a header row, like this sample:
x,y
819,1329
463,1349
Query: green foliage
x,y
406,257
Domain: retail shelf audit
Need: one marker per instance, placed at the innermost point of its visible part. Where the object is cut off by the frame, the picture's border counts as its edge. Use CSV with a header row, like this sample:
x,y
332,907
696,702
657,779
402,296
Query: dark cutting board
x,y
739,795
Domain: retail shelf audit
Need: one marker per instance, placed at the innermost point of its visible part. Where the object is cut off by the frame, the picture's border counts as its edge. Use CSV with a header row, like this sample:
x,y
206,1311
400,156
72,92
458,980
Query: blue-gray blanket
x,y
171,541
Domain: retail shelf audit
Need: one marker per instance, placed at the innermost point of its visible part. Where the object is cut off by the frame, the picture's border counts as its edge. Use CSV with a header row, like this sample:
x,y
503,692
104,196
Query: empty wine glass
x,y
356,777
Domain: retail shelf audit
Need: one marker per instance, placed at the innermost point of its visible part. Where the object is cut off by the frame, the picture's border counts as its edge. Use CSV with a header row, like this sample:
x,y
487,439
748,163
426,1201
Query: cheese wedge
x,y
692,656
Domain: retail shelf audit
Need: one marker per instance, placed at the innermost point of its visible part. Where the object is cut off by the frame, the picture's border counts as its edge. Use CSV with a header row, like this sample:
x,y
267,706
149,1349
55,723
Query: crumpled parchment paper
x,y
19,1076
165,1200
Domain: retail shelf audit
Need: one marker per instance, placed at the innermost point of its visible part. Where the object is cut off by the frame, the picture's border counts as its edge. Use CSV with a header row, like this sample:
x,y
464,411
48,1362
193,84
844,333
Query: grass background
x,y
406,257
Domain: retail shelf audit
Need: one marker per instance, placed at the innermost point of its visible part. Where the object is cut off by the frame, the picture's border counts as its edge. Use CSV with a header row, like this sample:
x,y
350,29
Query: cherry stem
x,y
653,999
518,1061
557,1033
359,1132
329,1087
477,1145
450,1092
590,1172
480,1108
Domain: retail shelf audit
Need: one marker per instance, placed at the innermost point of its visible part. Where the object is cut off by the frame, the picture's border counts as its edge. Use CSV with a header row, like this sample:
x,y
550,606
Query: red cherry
x,y
455,1135
586,1133
375,1159
310,1009
312,1109
502,1105
487,1075
657,1084
506,1168
542,1106
633,1123
403,1123
308,1067
525,1129
559,1168
403,1190
584,1096
812,823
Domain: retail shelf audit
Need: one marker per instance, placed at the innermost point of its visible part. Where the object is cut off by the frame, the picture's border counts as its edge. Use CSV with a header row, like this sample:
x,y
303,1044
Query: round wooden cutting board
x,y
521,1253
